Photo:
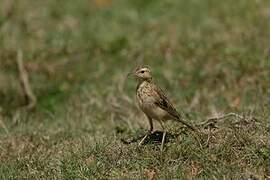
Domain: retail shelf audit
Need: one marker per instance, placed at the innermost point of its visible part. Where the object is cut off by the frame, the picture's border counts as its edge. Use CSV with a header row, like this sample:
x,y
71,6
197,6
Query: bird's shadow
x,y
154,137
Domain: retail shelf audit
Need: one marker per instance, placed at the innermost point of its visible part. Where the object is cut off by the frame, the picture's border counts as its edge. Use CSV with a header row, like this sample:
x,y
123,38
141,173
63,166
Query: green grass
x,y
211,56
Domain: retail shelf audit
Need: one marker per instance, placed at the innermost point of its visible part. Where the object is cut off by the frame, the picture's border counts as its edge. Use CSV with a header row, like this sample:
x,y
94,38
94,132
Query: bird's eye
x,y
142,72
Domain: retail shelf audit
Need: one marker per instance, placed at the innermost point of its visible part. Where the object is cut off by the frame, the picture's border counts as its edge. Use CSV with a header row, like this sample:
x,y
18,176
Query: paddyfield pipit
x,y
154,102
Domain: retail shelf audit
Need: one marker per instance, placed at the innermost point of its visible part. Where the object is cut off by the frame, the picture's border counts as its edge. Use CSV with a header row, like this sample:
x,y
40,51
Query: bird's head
x,y
141,74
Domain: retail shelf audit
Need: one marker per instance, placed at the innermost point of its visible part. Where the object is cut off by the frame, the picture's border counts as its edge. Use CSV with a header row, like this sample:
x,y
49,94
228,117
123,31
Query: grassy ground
x,y
212,57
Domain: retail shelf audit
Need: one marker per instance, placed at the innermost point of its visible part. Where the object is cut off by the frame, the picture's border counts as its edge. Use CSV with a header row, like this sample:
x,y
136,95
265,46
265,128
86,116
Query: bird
x,y
154,102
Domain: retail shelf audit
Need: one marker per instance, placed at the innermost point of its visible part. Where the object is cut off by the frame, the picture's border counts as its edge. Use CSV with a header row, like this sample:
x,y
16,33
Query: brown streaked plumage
x,y
154,102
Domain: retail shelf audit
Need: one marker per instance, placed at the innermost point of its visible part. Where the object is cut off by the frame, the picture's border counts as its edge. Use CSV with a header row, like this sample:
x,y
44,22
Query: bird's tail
x,y
180,119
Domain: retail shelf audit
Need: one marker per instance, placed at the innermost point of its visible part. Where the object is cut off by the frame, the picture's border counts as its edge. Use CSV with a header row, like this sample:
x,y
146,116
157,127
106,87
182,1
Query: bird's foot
x,y
144,138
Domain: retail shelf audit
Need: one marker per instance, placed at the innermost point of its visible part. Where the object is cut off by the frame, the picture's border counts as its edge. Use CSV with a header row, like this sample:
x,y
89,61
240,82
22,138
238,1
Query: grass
x,y
212,57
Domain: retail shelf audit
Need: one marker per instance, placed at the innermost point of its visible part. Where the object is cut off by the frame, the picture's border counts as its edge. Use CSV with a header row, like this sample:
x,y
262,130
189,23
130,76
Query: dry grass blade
x,y
25,84
2,124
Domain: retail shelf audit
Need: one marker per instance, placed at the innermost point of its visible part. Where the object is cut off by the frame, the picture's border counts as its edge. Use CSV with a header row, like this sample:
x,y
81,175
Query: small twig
x,y
215,119
226,116
24,80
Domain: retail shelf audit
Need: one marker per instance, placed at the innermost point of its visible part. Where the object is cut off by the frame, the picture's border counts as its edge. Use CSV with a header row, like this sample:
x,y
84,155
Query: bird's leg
x,y
163,141
163,136
149,131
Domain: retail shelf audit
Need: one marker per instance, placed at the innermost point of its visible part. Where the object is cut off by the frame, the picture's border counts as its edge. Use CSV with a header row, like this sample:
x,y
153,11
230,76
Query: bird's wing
x,y
164,103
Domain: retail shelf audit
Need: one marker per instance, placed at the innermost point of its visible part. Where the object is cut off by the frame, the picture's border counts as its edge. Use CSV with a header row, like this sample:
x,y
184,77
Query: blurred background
x,y
211,56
